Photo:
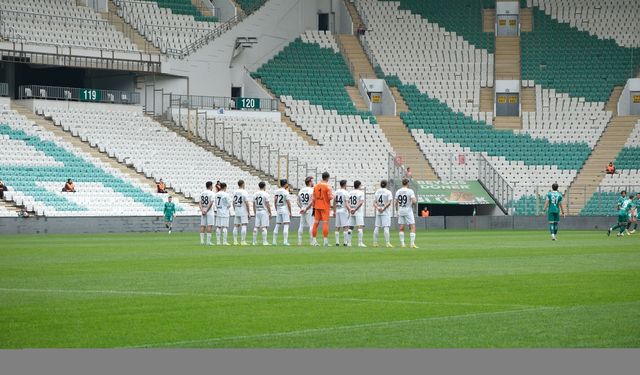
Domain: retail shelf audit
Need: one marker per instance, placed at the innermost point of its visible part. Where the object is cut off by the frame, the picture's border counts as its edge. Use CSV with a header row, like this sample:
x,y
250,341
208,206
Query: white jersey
x,y
382,198
356,197
261,201
281,197
404,197
223,203
240,198
207,197
341,200
304,197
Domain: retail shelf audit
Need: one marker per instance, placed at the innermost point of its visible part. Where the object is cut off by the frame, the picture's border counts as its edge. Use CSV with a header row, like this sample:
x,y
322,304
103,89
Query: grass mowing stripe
x,y
389,323
295,298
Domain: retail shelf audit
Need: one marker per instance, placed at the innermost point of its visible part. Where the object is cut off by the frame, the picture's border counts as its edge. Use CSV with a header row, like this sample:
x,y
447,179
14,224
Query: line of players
x,y
314,203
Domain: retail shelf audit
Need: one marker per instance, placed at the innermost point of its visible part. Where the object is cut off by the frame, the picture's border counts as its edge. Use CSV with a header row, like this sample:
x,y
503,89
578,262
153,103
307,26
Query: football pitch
x,y
462,289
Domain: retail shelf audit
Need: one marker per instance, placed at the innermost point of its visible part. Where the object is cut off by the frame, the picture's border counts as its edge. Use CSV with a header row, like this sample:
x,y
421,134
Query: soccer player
x,y
381,203
341,213
283,212
553,207
355,204
405,199
241,217
262,211
169,213
223,204
322,196
624,208
633,215
306,209
208,214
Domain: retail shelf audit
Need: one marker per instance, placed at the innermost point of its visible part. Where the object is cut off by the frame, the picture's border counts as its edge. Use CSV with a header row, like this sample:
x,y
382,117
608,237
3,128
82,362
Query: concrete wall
x,y
225,8
41,225
276,24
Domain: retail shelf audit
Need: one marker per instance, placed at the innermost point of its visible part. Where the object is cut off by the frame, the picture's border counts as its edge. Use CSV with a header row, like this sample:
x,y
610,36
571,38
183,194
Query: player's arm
x,y
414,201
388,204
247,205
561,209
289,205
357,207
266,203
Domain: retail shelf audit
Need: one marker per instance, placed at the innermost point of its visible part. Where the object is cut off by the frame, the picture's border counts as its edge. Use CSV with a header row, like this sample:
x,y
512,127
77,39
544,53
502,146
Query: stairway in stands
x,y
112,17
608,147
507,67
94,152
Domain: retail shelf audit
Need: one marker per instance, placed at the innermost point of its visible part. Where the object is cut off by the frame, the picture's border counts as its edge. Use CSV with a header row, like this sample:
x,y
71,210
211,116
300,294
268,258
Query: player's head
x,y
218,185
325,176
209,185
169,198
308,181
343,184
241,184
405,182
383,184
223,186
283,183
554,187
356,184
632,195
262,185
623,193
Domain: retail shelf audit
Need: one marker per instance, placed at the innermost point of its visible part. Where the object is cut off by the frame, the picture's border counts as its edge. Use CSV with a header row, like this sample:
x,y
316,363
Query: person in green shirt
x,y
633,214
169,213
624,208
554,207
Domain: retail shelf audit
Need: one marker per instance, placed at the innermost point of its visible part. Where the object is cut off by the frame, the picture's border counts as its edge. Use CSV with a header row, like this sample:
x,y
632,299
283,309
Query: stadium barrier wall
x,y
52,225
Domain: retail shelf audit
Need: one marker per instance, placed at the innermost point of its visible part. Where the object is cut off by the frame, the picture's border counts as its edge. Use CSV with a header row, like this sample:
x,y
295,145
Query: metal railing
x,y
217,102
4,89
78,94
494,183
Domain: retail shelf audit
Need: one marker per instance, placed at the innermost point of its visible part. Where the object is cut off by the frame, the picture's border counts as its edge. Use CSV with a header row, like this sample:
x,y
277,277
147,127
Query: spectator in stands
x,y
425,212
408,174
611,169
23,212
69,187
3,188
162,187
361,30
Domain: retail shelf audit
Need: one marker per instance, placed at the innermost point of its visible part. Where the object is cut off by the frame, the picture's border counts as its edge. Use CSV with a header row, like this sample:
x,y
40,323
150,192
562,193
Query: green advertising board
x,y
454,193
247,103
90,95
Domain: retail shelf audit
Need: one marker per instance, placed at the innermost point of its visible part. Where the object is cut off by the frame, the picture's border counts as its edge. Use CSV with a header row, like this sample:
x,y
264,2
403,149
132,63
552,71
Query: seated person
x,y
162,187
69,187
3,188
23,212
611,169
425,212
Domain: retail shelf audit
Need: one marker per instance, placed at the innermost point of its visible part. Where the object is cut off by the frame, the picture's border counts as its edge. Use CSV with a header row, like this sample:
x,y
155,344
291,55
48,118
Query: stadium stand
x,y
35,177
629,157
167,24
143,143
59,22
249,6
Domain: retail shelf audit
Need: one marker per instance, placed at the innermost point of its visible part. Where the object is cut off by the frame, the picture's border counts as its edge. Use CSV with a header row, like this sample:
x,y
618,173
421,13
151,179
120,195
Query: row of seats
x,y
184,7
614,19
149,147
250,6
59,22
629,157
36,177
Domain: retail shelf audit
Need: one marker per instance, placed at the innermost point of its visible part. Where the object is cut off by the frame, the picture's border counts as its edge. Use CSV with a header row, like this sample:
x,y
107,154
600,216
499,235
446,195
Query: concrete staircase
x,y
526,20
126,29
401,106
507,122
488,20
356,98
486,99
10,206
507,61
355,57
528,99
608,147
94,152
353,12
202,9
217,151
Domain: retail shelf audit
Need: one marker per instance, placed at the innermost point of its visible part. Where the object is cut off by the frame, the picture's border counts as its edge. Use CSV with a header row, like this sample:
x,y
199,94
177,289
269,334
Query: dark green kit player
x,y
169,213
624,209
553,206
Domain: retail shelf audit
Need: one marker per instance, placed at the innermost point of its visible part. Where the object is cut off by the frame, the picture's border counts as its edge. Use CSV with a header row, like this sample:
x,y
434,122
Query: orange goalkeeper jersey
x,y
322,196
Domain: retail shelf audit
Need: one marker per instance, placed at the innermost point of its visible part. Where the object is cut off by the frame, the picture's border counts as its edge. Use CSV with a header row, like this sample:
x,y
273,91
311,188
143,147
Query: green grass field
x,y
460,289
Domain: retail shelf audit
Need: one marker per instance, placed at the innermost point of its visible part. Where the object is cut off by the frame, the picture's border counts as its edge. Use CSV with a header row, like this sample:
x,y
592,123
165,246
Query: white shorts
x,y
209,219
243,219
356,221
262,219
383,221
306,219
406,219
222,221
282,218
342,219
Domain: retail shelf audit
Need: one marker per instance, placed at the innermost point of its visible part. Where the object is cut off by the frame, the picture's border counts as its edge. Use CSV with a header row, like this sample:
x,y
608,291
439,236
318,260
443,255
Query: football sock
x,y
285,233
375,234
412,238
243,233
347,237
208,238
265,234
300,232
337,237
201,237
386,235
218,235
255,236
555,228
224,235
235,234
401,235
635,225
551,228
276,229
622,228
314,230
359,236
